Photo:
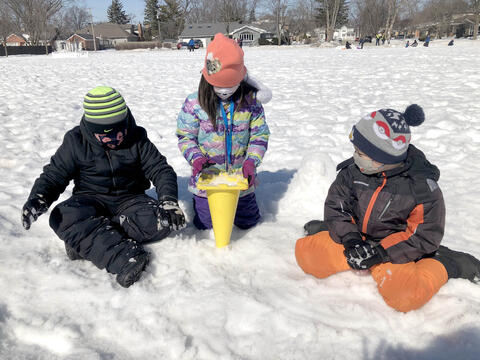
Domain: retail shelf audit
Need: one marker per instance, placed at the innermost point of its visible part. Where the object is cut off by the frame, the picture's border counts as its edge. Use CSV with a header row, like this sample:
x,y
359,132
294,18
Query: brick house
x,y
81,42
15,40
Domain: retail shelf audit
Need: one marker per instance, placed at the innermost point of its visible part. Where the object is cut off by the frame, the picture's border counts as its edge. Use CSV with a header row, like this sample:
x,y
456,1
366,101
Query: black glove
x,y
362,256
171,215
315,226
32,209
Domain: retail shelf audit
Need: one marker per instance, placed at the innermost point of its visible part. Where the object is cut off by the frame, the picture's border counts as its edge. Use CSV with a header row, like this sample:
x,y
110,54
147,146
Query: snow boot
x,y
315,226
71,253
459,264
132,270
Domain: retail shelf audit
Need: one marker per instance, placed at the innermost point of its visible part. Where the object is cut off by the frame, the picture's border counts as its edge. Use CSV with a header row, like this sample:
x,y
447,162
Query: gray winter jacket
x,y
402,209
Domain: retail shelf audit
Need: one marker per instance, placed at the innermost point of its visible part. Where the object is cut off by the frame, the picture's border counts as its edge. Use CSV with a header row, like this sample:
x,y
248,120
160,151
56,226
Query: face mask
x,y
111,141
365,165
225,93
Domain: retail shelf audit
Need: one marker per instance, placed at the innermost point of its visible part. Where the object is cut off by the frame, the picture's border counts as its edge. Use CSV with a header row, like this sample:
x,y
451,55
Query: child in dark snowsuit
x,y
111,161
222,127
385,213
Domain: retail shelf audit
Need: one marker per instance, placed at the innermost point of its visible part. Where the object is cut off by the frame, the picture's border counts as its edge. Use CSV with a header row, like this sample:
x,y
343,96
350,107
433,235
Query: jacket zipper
x,y
386,208
371,203
111,168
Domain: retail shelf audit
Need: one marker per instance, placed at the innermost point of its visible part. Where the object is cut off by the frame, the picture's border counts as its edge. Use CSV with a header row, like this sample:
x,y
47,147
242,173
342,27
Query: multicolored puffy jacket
x,y
402,209
197,136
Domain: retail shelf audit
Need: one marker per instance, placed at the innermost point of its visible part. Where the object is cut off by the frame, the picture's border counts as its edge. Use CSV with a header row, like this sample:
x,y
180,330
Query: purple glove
x,y
199,164
248,170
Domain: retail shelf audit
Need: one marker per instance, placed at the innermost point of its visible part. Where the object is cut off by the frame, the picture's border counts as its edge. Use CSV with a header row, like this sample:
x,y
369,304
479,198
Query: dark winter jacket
x,y
403,208
96,170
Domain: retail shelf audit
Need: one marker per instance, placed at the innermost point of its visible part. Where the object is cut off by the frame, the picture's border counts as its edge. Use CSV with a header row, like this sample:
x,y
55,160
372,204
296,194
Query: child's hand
x,y
32,209
200,164
174,215
248,171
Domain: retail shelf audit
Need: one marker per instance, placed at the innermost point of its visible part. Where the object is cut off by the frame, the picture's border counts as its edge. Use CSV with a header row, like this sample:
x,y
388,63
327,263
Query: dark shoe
x,y
132,270
315,226
71,253
459,264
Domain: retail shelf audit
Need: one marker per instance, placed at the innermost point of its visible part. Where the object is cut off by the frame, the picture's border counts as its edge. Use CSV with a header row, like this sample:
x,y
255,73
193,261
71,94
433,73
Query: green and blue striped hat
x,y
104,105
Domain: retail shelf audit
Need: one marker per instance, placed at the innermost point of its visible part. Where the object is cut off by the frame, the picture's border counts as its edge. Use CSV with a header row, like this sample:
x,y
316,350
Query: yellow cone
x,y
223,191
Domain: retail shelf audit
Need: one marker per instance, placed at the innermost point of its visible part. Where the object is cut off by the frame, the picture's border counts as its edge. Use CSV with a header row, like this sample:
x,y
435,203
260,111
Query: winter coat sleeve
x,y
157,170
57,174
187,132
424,231
338,209
259,134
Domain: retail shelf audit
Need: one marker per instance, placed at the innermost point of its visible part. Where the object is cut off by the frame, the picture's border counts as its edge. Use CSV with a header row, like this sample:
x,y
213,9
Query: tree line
x,y
51,19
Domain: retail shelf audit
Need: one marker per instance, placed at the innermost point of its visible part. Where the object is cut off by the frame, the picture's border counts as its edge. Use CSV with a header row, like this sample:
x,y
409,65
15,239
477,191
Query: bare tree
x,y
278,8
76,17
6,25
34,16
475,4
302,17
329,13
393,7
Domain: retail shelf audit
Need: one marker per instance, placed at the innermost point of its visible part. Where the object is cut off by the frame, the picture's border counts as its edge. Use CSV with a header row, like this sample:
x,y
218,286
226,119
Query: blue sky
x,y
99,8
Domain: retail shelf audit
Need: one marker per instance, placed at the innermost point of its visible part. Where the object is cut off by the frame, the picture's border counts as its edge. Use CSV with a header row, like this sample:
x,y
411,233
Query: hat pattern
x,y
213,65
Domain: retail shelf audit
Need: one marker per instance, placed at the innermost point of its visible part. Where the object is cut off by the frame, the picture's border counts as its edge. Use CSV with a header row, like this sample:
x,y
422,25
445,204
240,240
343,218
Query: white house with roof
x,y
344,33
206,31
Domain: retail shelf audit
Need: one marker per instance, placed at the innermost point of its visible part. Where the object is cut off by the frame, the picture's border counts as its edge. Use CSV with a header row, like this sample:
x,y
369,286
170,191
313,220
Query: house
x,y
79,41
344,33
248,34
108,34
16,40
206,31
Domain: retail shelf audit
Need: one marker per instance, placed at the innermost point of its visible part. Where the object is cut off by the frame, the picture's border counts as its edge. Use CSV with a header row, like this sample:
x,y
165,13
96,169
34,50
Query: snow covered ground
x,y
250,301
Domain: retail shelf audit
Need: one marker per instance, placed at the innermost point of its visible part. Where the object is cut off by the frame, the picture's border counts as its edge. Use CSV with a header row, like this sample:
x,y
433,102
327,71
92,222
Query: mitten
x,y
248,171
200,164
32,209
171,215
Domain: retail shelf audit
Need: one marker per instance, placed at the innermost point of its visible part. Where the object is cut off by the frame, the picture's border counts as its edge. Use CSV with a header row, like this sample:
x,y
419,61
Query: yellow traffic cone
x,y
223,190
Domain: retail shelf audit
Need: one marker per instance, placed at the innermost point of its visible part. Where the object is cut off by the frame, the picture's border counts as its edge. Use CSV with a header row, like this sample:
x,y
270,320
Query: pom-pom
x,y
414,115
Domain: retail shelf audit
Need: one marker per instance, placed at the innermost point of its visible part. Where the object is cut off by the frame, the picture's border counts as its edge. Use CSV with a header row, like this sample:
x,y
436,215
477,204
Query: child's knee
x,y
310,260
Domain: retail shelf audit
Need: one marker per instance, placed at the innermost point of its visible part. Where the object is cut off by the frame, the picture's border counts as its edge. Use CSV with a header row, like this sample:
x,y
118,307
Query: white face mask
x,y
225,93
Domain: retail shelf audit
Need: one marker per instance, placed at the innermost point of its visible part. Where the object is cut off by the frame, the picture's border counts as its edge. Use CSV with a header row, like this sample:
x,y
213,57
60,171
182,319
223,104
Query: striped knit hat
x,y
104,109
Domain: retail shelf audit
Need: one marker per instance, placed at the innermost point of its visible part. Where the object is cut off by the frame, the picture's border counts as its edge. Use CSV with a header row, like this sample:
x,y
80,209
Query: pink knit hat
x,y
224,62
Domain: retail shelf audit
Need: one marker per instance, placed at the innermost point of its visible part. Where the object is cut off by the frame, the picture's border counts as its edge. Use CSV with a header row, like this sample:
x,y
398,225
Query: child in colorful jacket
x,y
109,216
222,127
385,213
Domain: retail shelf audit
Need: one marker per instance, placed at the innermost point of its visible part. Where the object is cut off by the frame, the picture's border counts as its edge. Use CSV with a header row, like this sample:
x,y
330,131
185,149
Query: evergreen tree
x,y
332,14
116,14
171,18
151,9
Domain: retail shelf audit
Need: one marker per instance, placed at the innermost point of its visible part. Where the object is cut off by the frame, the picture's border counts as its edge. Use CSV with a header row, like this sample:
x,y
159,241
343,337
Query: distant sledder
x,y
109,216
385,213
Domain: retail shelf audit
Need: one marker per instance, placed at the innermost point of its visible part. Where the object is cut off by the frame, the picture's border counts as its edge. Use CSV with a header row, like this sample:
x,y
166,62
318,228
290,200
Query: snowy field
x,y
250,301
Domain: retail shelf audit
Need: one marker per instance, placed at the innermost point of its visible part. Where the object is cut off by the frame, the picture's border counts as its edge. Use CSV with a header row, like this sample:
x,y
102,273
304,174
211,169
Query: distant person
x,y
450,43
240,42
415,43
109,217
385,214
377,39
361,42
427,41
191,45
348,45
407,44
383,39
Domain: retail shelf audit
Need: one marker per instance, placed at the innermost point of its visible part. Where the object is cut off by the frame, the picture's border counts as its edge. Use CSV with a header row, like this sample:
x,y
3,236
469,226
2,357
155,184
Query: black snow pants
x,y
108,230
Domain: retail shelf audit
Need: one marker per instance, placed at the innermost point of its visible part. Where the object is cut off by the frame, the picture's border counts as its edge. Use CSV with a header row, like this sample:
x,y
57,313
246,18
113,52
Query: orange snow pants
x,y
404,287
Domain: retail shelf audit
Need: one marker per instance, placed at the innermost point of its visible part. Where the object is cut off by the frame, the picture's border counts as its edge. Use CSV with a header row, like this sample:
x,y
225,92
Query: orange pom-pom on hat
x,y
224,62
